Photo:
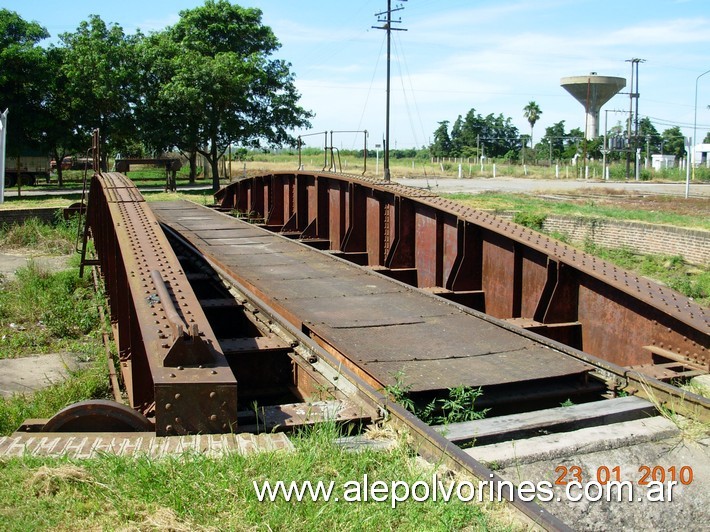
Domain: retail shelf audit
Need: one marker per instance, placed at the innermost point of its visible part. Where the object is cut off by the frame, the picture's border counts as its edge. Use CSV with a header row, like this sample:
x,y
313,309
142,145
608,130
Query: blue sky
x,y
491,55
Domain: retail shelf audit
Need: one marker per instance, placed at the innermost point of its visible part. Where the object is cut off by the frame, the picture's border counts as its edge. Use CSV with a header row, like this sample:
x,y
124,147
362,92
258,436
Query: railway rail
x,y
224,326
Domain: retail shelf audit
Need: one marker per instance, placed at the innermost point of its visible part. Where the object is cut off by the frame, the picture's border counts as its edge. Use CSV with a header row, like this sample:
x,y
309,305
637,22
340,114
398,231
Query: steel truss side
x,y
173,366
484,262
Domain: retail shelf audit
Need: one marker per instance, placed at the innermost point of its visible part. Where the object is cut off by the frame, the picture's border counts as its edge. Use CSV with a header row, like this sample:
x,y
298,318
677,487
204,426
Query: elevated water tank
x,y
592,92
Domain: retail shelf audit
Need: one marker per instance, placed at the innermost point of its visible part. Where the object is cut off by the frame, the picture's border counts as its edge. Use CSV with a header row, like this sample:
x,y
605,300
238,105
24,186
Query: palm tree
x,y
532,112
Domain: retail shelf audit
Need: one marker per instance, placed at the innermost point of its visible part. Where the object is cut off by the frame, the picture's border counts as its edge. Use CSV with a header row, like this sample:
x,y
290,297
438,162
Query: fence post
x,y
3,135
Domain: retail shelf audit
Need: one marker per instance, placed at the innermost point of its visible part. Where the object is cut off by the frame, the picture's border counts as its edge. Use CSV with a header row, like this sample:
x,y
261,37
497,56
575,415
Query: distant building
x,y
659,162
700,155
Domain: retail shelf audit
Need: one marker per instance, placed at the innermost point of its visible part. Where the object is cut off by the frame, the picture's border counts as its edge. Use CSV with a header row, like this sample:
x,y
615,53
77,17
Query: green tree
x,y
553,143
456,138
100,68
168,112
220,85
441,147
501,135
673,142
649,137
60,109
706,140
532,112
572,142
22,81
495,136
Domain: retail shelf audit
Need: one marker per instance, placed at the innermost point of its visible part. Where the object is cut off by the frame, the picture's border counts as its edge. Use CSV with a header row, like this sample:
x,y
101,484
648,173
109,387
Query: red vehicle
x,y
66,163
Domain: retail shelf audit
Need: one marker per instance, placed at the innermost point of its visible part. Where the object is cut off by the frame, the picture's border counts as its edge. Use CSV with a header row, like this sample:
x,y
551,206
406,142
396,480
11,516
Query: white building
x,y
660,162
700,155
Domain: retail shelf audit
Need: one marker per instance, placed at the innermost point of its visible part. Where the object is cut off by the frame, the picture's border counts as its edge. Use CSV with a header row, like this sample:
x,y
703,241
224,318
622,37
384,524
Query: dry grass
x,y
49,480
688,423
165,519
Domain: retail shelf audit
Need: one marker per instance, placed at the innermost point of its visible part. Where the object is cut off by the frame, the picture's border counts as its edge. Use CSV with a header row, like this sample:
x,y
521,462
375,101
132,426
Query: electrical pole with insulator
x,y
387,21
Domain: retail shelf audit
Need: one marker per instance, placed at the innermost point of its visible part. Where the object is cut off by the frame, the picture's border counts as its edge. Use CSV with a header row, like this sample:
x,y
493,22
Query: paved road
x,y
513,184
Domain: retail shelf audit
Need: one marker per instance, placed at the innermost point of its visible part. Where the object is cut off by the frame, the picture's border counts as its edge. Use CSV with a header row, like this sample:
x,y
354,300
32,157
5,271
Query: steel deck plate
x,y
331,288
380,325
487,370
424,342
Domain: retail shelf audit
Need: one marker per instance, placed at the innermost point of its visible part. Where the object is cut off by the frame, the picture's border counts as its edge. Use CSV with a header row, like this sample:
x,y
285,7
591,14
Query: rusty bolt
x,y
168,406
168,428
213,417
177,396
213,395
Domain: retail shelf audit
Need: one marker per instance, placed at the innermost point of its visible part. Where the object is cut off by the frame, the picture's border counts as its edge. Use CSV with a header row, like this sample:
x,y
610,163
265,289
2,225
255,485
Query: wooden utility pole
x,y
387,21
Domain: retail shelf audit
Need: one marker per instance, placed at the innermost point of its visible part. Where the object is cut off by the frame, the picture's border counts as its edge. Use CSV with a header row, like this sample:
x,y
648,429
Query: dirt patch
x,y
28,374
10,262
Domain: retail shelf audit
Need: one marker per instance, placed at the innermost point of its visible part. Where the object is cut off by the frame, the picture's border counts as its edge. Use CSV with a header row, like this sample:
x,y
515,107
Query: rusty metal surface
x,y
184,393
97,415
376,323
299,414
435,243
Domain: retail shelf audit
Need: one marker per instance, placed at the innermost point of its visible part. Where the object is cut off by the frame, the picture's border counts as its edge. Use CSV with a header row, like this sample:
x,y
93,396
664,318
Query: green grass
x,y
671,271
58,238
88,383
531,206
46,312
193,492
43,312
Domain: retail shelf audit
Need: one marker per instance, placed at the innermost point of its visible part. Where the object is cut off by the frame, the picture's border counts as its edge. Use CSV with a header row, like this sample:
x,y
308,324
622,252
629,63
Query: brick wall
x,y
692,244
14,216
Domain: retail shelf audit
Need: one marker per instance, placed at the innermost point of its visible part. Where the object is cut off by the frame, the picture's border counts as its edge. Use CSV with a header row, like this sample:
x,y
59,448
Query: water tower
x,y
592,92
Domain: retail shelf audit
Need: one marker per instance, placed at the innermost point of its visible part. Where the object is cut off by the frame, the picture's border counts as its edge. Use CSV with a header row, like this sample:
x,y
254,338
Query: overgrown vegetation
x,y
529,206
88,383
39,237
672,271
195,492
43,311
530,220
459,406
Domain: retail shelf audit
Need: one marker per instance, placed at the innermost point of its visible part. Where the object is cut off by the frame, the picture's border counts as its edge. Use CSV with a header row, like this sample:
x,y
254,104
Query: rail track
x,y
326,293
